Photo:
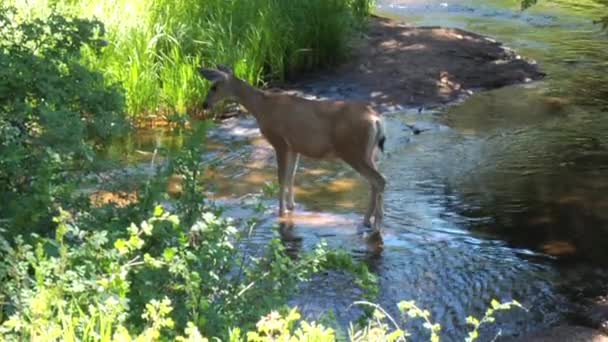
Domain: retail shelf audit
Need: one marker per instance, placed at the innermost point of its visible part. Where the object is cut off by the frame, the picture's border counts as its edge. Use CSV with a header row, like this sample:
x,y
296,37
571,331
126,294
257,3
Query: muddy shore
x,y
395,65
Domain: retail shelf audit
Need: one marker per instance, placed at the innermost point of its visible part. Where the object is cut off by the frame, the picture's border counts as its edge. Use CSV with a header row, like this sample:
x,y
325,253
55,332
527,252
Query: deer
x,y
319,129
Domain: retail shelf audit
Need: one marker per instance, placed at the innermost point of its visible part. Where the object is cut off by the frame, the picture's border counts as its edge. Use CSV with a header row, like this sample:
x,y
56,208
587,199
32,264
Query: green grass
x,y
156,46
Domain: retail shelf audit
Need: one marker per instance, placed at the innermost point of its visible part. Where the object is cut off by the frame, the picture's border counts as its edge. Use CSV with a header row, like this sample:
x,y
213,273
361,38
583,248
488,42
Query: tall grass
x,y
155,46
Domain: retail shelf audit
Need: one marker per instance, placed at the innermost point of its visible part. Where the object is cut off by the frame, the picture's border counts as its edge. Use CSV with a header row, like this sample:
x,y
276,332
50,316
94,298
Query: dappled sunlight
x,y
559,248
342,185
394,44
119,199
315,172
317,220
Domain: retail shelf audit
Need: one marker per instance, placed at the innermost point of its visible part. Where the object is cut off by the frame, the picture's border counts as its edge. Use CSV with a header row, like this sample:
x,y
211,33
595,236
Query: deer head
x,y
222,80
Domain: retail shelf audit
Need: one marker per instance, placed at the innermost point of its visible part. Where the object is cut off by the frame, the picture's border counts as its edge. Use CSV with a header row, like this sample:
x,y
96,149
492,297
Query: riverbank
x,y
396,65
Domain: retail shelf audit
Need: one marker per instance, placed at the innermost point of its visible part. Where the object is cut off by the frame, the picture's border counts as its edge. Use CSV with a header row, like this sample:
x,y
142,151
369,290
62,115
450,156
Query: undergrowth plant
x,y
90,285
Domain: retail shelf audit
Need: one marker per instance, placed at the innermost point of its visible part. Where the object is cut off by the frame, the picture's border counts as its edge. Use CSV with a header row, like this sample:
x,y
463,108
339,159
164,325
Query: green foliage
x,y
274,327
156,46
187,166
525,4
53,112
377,329
488,317
85,283
363,278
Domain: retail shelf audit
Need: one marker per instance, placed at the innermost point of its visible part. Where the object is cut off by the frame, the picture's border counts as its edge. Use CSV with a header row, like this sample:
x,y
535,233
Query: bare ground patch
x,y
397,65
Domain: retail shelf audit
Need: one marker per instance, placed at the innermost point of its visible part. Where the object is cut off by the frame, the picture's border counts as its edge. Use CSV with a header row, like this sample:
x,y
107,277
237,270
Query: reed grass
x,y
156,46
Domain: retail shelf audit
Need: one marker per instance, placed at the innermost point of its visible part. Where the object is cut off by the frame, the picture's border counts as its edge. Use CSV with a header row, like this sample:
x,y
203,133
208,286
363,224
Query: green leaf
x,y
146,228
135,242
169,254
133,230
472,321
405,305
121,246
395,335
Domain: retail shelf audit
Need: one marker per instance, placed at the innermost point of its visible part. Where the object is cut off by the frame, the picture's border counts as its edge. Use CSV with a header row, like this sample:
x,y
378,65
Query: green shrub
x,y
86,283
53,113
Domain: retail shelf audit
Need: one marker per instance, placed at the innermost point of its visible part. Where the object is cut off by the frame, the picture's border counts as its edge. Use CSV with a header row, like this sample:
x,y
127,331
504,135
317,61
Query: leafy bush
x,y
53,112
288,327
156,46
85,283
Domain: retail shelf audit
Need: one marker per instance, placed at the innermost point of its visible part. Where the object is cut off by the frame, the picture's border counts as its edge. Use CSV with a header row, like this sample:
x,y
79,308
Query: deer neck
x,y
251,98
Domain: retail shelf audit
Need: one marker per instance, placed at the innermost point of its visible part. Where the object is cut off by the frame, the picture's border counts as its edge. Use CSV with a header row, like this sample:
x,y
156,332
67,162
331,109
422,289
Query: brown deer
x,y
294,126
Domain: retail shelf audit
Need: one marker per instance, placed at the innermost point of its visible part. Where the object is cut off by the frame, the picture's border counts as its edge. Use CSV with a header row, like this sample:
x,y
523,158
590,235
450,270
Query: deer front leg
x,y
282,168
379,210
292,166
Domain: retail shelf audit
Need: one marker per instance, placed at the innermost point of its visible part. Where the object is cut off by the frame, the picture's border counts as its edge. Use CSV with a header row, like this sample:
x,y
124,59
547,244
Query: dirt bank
x,y
396,65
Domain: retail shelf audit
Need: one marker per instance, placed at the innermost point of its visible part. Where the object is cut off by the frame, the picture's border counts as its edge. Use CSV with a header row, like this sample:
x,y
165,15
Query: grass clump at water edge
x,y
156,46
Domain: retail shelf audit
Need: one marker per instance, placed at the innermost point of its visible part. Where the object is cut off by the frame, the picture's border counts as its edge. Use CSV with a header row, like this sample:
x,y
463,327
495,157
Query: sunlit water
x,y
505,197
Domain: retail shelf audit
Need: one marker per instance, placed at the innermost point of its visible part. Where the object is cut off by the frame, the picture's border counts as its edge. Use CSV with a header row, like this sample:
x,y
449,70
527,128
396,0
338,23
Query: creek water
x,y
505,196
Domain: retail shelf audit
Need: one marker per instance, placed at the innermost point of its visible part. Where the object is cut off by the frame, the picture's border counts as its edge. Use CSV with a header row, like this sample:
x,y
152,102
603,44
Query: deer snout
x,y
205,105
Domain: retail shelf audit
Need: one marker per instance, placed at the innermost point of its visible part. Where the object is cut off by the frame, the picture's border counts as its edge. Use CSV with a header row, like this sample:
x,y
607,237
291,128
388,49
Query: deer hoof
x,y
375,235
367,223
291,206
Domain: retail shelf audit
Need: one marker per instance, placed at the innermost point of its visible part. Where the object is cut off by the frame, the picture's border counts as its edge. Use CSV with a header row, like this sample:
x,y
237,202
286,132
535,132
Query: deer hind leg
x,y
290,174
379,209
367,168
364,162
281,153
371,207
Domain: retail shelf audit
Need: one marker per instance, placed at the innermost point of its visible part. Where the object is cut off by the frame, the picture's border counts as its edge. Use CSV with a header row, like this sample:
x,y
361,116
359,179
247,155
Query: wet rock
x,y
565,333
424,126
595,314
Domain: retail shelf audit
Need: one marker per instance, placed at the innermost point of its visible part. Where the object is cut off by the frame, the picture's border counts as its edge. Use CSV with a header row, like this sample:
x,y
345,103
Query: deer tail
x,y
380,135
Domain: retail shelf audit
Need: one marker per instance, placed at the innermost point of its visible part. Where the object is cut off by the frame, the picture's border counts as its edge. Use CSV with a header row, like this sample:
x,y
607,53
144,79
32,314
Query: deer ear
x,y
225,69
212,74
